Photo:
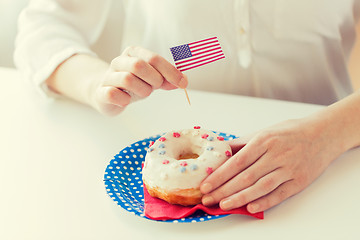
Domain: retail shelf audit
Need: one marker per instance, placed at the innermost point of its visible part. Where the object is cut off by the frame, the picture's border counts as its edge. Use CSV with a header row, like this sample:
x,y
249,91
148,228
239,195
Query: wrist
x,y
79,77
338,124
326,133
93,88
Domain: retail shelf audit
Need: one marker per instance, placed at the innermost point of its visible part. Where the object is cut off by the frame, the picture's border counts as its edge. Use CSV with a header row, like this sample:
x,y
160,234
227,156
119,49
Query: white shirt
x,y
283,49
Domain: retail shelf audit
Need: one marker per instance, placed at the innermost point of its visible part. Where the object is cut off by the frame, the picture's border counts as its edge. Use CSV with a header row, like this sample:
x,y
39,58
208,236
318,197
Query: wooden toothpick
x,y
187,96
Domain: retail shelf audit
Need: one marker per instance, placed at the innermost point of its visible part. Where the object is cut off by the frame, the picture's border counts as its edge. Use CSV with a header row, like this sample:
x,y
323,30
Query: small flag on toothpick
x,y
196,54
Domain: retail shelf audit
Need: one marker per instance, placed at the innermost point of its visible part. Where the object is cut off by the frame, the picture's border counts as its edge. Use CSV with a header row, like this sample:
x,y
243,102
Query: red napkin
x,y
159,209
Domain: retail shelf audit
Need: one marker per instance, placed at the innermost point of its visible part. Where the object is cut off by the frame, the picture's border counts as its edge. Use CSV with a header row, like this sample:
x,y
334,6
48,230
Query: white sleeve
x,y
50,31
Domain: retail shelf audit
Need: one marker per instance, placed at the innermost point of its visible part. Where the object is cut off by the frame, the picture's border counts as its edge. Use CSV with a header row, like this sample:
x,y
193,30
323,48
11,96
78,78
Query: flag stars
x,y
181,52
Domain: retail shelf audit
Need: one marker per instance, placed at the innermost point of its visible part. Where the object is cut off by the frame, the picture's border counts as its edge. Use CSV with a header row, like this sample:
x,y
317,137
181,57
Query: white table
x,y
54,154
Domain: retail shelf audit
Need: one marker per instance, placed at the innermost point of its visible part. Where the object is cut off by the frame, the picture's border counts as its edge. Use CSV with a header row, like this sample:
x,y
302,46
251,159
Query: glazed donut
x,y
179,161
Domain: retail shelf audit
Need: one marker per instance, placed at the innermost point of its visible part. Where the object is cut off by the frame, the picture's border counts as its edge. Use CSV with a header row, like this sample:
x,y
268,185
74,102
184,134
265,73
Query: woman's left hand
x,y
273,165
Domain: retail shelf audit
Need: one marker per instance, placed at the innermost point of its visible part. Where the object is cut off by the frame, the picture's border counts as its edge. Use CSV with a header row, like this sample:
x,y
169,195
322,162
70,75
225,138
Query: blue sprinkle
x,y
162,152
210,148
182,169
194,167
162,145
150,149
210,138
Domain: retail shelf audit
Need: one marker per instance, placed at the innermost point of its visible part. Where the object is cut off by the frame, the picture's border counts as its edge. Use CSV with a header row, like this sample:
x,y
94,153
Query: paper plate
x,y
123,180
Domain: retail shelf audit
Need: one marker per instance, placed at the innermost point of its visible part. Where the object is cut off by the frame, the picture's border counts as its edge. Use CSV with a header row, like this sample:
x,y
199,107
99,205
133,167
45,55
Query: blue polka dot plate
x,y
123,180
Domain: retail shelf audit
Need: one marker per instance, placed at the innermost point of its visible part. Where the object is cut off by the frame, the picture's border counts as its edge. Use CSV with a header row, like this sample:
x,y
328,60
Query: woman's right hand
x,y
134,75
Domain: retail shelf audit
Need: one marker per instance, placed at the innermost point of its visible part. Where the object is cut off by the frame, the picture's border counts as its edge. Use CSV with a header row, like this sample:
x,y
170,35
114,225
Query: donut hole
x,y
192,152
188,156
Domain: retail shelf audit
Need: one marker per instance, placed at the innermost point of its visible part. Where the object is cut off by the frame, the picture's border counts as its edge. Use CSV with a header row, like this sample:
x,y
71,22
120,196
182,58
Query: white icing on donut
x,y
162,159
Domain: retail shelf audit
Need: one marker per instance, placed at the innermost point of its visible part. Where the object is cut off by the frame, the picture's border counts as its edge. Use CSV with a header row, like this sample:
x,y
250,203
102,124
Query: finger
x,y
241,181
262,187
113,95
237,163
139,68
169,86
164,67
129,82
238,143
280,194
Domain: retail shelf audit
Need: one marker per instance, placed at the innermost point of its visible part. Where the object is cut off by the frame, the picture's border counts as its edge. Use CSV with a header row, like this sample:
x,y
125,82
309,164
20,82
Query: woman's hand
x,y
134,75
271,166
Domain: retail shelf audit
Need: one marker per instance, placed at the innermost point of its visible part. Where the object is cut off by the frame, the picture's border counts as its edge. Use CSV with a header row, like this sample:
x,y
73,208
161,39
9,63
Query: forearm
x,y
77,76
51,31
339,123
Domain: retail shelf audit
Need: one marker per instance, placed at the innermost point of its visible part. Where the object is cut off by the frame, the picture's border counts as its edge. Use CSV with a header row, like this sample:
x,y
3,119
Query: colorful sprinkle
x,y
228,153
151,143
210,148
176,134
165,162
197,127
162,145
204,136
194,167
210,138
150,149
183,169
183,164
162,139
162,152
220,138
209,170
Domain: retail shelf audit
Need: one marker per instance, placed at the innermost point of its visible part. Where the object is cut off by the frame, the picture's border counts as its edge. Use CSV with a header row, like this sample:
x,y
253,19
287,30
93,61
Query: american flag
x,y
197,53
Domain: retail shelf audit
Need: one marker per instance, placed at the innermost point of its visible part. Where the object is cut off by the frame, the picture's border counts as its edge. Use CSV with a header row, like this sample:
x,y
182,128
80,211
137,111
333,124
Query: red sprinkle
x,y
209,170
220,138
228,154
165,162
162,139
205,136
183,164
176,134
151,143
197,127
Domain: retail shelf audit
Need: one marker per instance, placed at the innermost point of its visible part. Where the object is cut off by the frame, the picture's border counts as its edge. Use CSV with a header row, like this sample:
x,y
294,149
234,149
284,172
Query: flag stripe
x,y
202,44
199,53
188,60
199,49
203,40
182,70
202,60
191,59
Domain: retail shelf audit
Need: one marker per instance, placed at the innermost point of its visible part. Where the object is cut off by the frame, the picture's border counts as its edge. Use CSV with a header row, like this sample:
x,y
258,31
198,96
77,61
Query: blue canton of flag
x,y
181,52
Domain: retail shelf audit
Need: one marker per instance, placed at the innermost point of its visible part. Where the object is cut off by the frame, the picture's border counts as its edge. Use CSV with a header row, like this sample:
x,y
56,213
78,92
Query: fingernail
x,y
208,200
227,204
183,83
206,188
253,208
